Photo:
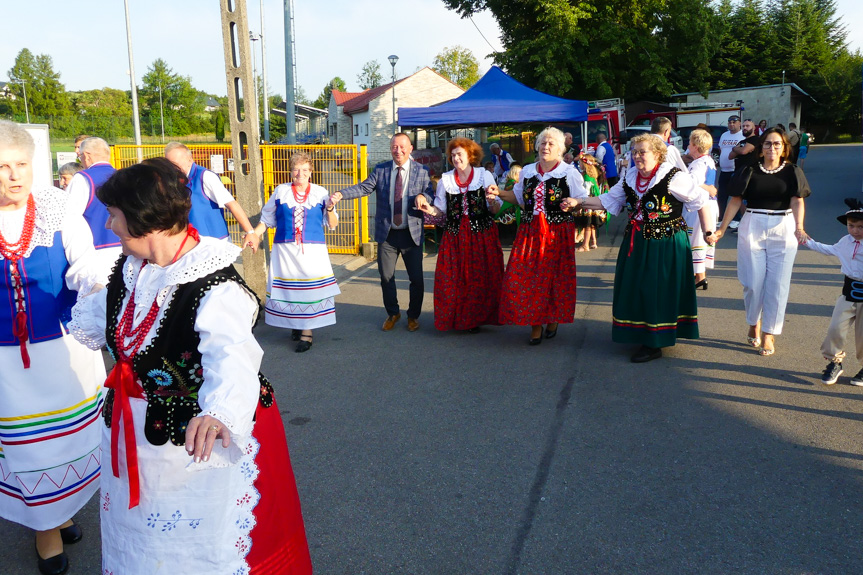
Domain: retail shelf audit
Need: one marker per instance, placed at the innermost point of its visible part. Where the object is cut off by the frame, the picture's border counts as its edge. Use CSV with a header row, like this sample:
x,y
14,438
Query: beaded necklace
x,y
14,252
462,188
766,171
640,187
301,197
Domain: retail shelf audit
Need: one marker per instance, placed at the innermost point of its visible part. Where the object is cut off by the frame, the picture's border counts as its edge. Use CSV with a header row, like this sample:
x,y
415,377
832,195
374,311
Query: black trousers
x,y
401,242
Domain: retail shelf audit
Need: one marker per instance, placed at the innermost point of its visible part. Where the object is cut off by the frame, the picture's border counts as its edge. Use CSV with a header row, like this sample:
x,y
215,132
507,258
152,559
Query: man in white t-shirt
x,y
727,142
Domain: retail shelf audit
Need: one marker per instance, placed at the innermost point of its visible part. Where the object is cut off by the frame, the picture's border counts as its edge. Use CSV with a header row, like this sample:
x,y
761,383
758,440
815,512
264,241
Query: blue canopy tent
x,y
496,99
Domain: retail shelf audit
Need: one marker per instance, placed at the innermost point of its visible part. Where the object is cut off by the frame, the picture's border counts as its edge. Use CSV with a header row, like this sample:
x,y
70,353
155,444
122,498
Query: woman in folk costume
x,y
302,288
470,263
539,283
50,385
198,476
654,286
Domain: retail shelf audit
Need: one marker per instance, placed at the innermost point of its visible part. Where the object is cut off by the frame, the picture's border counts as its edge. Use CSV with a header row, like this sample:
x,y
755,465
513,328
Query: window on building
x,y
356,129
367,129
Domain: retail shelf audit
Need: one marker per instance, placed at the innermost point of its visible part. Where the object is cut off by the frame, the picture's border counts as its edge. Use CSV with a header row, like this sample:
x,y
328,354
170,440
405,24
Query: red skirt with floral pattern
x,y
539,283
467,278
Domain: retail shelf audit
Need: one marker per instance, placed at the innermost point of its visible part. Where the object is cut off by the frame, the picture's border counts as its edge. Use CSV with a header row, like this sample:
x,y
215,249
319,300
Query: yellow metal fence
x,y
334,168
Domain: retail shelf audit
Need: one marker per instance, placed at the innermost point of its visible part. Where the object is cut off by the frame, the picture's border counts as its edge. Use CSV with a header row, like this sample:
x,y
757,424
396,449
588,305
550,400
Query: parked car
x,y
715,131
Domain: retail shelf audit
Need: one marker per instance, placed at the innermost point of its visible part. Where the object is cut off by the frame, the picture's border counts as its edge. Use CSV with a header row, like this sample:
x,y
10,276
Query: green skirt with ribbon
x,y
654,291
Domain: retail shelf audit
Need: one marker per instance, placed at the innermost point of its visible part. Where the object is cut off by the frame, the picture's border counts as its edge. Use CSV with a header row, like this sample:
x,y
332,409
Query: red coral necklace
x,y
14,252
643,184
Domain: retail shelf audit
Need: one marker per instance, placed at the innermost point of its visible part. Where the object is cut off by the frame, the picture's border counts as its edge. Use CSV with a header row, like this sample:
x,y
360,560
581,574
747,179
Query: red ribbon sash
x,y
122,381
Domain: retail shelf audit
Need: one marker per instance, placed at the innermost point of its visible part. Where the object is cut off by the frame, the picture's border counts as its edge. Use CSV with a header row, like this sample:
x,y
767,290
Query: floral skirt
x,y
467,278
539,283
654,291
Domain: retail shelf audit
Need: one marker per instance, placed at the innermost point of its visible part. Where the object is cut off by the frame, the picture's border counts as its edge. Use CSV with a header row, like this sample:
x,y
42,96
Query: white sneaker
x,y
858,379
734,224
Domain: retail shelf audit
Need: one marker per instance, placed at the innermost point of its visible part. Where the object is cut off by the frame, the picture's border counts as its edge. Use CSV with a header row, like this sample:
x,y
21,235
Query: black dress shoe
x,y
71,534
550,334
645,354
536,340
295,334
56,565
304,344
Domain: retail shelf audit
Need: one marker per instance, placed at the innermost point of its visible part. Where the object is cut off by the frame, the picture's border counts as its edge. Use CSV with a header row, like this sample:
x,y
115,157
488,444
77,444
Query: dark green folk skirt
x,y
654,291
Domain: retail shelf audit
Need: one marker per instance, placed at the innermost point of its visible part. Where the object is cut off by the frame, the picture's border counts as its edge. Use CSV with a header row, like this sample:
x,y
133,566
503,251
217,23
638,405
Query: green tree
x,y
323,100
459,65
219,124
370,76
181,104
106,112
46,94
584,49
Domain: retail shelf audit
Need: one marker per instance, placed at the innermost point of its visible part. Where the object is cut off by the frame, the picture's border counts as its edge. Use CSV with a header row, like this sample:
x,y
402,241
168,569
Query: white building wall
x,y
771,103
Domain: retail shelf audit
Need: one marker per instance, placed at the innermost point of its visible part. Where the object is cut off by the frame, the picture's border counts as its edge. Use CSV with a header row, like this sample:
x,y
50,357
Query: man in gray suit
x,y
398,224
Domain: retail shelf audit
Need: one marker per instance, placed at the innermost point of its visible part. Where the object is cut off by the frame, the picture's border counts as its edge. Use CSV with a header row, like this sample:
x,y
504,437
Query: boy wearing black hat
x,y
848,311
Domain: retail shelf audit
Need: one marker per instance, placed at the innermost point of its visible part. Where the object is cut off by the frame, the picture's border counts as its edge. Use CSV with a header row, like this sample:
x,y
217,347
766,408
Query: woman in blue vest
x,y
50,385
197,473
301,289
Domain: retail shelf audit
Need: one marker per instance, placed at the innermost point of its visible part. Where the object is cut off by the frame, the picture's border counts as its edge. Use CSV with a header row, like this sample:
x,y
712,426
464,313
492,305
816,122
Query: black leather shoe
x,y
549,334
304,344
536,340
71,534
645,354
56,565
295,334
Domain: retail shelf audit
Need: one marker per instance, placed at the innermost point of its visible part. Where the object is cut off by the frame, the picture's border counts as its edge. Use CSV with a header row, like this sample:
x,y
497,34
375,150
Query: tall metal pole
x,y
393,59
264,78
161,112
26,106
135,121
290,104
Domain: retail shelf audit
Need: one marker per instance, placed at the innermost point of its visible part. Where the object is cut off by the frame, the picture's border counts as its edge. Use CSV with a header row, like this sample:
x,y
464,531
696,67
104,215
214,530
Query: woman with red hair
x,y
470,262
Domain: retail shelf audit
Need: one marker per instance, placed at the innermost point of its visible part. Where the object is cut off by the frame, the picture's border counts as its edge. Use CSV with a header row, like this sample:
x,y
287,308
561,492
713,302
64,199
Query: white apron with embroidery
x,y
192,518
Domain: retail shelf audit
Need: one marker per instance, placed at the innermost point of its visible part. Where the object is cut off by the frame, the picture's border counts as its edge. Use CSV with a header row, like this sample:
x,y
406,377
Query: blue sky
x,y
333,38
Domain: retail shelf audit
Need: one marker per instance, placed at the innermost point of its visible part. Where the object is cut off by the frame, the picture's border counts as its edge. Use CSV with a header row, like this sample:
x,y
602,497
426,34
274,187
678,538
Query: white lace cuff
x,y
221,456
86,326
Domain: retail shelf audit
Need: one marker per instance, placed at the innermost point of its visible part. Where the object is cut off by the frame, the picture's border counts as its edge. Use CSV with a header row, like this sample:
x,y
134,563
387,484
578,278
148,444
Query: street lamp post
x,y
254,38
26,106
264,78
393,59
161,112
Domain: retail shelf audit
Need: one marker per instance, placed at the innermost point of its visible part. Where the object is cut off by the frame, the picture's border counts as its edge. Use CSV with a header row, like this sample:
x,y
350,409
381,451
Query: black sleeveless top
x,y
478,214
661,212
555,190
169,368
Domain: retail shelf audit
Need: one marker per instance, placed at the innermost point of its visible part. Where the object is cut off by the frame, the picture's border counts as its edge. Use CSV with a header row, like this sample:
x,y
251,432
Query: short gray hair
x,y
493,146
300,158
171,146
15,137
96,146
70,169
551,133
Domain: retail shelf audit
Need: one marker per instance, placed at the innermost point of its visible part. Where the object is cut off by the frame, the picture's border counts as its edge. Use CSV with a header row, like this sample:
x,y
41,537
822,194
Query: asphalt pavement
x,y
452,453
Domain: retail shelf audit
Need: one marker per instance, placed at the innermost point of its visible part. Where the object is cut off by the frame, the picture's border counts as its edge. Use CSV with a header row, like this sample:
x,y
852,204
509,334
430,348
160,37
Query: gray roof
x,y
792,85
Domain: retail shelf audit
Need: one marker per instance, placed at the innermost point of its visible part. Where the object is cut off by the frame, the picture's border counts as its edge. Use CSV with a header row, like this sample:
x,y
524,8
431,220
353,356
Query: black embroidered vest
x,y
661,213
555,190
478,213
169,369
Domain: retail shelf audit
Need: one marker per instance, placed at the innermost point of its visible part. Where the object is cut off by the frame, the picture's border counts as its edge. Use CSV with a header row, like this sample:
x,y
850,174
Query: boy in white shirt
x,y
848,311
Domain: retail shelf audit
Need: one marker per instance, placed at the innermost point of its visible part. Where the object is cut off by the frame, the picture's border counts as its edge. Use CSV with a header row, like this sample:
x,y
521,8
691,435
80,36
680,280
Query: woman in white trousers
x,y
768,236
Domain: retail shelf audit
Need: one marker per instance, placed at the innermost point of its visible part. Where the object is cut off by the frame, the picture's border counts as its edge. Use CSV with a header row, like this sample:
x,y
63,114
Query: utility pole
x,y
245,131
290,103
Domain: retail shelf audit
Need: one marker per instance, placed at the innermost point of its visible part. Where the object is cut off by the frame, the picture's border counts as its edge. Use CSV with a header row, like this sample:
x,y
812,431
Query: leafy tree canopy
x,y
323,100
370,76
459,65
